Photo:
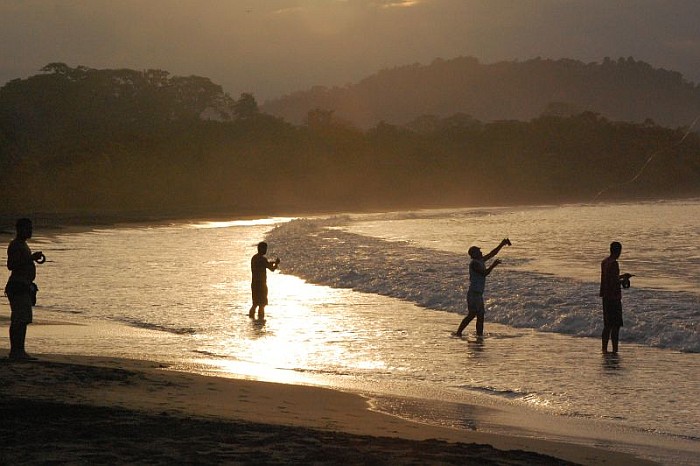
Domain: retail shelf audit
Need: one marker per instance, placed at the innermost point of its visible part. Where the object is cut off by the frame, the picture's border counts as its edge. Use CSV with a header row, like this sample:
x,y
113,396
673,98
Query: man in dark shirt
x,y
20,287
258,285
610,291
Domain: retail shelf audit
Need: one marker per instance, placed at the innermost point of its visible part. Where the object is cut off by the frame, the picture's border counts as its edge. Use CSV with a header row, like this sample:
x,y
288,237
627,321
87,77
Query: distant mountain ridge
x,y
621,90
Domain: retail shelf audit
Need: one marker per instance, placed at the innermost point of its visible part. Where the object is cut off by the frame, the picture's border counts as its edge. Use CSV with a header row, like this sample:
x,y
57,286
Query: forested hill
x,y
622,90
81,140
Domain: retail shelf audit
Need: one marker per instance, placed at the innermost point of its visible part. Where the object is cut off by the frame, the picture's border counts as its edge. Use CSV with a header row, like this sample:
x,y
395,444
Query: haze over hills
x,y
116,141
621,90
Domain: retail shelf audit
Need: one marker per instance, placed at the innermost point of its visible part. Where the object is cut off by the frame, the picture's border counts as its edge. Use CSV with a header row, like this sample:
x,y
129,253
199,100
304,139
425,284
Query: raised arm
x,y
497,249
479,267
492,266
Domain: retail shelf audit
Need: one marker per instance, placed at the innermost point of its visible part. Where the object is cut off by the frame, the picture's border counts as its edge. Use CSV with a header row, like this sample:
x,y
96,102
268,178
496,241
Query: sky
x,y
274,47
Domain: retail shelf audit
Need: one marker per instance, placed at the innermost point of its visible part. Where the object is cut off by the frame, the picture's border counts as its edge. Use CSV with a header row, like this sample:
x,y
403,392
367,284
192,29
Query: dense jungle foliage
x,y
86,140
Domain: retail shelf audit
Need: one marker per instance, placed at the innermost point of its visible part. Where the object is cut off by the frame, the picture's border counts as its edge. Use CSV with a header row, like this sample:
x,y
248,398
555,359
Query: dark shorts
x,y
21,308
259,290
475,303
612,312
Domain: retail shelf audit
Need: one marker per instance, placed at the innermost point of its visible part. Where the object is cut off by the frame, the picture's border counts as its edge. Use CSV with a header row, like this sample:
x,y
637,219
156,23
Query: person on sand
x,y
258,285
20,288
477,282
610,291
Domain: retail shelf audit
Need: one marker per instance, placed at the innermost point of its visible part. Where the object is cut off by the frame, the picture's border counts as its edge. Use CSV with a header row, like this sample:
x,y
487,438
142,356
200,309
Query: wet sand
x,y
77,409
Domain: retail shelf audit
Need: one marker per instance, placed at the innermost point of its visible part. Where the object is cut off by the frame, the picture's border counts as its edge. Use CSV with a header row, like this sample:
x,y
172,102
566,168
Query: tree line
x,y
125,141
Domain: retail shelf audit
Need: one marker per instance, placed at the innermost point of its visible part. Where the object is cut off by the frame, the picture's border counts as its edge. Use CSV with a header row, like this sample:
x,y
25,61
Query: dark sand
x,y
81,410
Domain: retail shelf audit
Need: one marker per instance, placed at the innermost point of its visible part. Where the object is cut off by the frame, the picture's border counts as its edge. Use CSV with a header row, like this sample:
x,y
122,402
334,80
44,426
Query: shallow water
x,y
180,293
660,238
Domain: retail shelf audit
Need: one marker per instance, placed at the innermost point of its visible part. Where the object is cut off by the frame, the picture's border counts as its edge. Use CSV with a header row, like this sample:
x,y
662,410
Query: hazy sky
x,y
273,47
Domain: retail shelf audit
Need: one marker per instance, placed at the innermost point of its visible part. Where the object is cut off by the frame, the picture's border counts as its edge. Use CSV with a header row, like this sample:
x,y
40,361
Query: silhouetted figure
x,y
610,290
477,282
20,288
258,285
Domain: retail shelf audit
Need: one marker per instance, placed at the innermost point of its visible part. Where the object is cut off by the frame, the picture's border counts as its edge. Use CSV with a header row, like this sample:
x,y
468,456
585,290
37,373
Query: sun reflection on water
x,y
188,305
303,331
242,223
243,369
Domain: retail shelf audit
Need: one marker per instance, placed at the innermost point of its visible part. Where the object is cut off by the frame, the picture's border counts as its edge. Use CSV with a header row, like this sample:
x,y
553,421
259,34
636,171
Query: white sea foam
x,y
322,252
180,294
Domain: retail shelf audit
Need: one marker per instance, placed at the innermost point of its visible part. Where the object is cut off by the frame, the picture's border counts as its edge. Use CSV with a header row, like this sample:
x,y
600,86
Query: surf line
x,y
644,166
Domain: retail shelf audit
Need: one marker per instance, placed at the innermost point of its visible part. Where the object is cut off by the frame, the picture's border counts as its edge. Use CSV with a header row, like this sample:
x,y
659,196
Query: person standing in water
x,y
258,285
477,282
610,290
20,288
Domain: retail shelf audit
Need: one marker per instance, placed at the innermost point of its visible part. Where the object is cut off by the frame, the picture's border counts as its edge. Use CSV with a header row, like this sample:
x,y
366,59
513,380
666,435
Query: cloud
x,y
289,10
398,3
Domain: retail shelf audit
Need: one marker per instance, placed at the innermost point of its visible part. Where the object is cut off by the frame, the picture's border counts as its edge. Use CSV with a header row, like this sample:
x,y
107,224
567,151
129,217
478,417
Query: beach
x,y
147,355
68,409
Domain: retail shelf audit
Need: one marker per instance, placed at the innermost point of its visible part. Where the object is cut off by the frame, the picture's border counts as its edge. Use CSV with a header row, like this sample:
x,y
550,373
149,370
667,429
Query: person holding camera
x,y
478,271
611,282
259,265
20,288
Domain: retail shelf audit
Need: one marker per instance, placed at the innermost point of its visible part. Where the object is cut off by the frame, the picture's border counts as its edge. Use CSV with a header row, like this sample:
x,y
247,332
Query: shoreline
x,y
75,356
49,223
138,381
65,390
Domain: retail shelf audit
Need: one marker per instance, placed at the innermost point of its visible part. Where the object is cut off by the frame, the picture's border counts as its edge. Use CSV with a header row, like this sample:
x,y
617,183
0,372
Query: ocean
x,y
367,302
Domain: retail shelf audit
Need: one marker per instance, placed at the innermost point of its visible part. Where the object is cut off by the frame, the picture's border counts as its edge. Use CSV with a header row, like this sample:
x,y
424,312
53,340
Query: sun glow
x,y
287,346
400,3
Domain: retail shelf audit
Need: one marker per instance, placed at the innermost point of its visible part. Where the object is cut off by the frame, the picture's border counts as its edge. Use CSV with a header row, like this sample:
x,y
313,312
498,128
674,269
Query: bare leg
x,y
18,333
465,322
22,337
261,312
480,324
615,336
14,345
251,312
606,337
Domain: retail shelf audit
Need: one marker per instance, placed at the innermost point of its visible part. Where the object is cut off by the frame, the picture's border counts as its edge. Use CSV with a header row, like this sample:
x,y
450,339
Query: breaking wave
x,y
320,252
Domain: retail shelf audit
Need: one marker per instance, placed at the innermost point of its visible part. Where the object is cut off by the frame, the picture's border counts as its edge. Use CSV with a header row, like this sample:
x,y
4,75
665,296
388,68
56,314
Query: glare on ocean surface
x,y
241,369
301,321
243,223
180,294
